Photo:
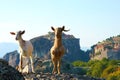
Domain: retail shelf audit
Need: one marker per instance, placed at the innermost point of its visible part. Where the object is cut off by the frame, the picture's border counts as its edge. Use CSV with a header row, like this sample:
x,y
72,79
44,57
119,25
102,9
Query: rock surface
x,y
43,71
9,73
49,76
46,66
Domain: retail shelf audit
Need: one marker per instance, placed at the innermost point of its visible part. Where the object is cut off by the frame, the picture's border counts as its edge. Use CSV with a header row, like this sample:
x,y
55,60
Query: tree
x,y
110,69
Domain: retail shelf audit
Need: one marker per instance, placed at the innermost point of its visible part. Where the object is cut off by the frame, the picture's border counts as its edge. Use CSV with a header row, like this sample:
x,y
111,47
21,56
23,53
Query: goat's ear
x,y
63,28
12,33
23,32
52,28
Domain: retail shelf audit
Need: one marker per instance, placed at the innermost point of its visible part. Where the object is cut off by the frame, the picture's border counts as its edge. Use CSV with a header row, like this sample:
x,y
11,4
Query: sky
x,y
90,20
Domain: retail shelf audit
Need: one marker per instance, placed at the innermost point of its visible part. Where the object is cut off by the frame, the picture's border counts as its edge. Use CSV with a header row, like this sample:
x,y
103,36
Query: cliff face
x,y
43,44
109,48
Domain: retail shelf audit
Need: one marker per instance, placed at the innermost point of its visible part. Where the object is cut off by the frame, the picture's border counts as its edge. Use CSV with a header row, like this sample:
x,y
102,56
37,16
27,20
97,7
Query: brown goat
x,y
58,50
25,48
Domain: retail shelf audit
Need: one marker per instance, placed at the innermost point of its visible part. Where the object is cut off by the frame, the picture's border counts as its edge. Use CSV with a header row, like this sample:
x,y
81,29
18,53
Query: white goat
x,y
57,50
25,48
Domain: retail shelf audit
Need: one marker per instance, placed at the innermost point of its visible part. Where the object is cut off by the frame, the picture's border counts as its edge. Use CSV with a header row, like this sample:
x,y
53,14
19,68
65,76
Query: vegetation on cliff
x,y
107,69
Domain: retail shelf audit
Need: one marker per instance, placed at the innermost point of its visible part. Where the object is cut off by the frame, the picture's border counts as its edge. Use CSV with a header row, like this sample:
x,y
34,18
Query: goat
x,y
25,48
57,50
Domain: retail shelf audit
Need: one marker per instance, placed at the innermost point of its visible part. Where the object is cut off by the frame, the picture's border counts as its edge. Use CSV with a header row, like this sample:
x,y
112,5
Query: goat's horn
x,y
66,30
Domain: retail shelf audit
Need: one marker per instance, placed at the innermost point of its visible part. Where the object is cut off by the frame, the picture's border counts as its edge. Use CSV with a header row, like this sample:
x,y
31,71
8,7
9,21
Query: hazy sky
x,y
90,20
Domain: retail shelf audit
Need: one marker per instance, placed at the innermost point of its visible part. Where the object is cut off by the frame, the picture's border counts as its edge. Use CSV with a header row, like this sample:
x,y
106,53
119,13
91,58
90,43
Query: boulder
x,y
7,72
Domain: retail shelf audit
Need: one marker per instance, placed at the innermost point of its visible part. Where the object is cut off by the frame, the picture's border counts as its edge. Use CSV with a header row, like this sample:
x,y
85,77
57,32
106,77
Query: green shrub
x,y
97,68
114,76
79,64
110,69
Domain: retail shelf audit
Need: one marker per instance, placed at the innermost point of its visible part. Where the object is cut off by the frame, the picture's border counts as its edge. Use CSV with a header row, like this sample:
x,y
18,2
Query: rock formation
x,y
9,73
109,48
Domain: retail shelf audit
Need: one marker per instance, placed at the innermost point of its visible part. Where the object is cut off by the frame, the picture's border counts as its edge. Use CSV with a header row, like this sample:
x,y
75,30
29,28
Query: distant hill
x,y
109,48
6,47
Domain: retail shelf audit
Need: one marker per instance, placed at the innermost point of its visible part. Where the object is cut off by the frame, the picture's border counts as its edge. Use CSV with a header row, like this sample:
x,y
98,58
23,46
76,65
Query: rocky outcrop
x,y
9,73
43,44
45,66
63,76
43,71
12,58
109,48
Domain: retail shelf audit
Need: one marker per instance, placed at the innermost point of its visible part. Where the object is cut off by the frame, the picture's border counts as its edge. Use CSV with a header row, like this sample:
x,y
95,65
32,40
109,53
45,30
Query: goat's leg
x,y
58,66
20,64
27,65
32,64
54,66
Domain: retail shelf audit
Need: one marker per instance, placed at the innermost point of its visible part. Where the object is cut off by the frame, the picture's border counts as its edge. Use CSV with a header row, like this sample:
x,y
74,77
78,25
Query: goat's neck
x,y
58,42
21,42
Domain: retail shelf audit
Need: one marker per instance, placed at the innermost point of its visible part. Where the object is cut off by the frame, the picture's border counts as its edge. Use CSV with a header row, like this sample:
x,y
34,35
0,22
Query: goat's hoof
x,y
20,71
25,73
54,72
33,72
58,73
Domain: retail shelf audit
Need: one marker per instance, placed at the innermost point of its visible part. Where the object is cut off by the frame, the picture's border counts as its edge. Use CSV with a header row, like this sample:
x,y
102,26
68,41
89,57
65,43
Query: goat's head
x,y
58,31
18,34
